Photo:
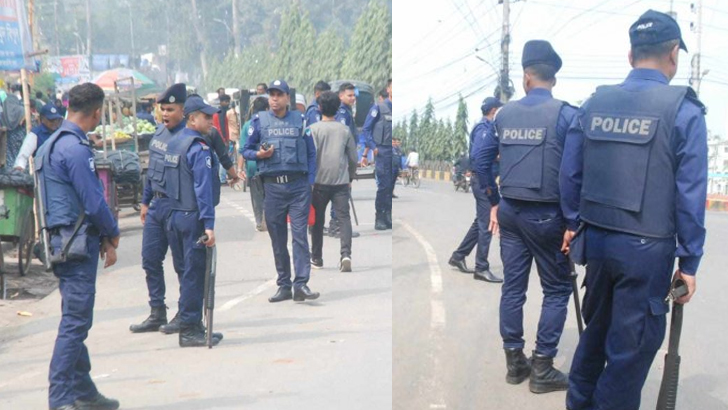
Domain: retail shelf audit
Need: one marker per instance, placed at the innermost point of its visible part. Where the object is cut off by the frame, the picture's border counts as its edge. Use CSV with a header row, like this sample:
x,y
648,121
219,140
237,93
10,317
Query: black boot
x,y
544,377
518,366
388,219
380,222
194,336
172,327
157,318
99,402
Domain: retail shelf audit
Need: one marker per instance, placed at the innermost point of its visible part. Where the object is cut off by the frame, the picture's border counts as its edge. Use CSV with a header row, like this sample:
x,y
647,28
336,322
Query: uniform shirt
x,y
313,114
486,149
689,142
251,167
148,192
479,131
369,123
215,141
344,116
30,145
74,164
252,145
199,159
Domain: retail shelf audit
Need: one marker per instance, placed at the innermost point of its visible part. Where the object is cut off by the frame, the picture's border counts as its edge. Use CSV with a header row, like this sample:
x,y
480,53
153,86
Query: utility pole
x,y
236,29
88,31
697,75
504,83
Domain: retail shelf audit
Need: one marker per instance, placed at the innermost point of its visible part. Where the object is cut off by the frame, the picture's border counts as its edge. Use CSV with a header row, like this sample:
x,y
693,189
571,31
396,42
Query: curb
x,y
718,205
437,175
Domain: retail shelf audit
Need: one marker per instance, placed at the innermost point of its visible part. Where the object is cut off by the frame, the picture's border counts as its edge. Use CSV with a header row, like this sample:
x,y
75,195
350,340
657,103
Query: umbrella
x,y
106,79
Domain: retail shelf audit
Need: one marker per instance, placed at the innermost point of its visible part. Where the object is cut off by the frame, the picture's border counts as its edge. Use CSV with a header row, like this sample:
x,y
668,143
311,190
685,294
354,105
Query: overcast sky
x,y
435,46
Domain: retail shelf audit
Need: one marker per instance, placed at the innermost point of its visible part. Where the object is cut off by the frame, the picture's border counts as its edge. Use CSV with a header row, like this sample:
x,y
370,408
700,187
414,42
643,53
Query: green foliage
x,y
42,82
369,57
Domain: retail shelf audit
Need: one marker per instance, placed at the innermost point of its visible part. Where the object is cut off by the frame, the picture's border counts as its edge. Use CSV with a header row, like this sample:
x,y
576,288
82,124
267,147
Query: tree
x,y
413,136
369,56
295,52
329,56
460,131
400,132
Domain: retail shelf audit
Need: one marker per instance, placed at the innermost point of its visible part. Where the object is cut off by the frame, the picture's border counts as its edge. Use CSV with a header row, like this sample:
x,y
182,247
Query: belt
x,y
283,179
160,195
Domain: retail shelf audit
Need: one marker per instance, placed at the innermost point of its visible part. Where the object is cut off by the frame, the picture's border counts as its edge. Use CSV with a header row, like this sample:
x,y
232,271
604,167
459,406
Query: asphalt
x,y
332,353
446,338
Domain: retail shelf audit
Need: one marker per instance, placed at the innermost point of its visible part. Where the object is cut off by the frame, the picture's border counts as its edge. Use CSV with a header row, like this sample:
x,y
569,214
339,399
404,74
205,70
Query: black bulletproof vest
x,y
382,133
530,151
629,165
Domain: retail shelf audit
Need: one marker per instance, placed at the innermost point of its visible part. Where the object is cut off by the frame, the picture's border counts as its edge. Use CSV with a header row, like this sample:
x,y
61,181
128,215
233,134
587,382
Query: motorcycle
x,y
461,180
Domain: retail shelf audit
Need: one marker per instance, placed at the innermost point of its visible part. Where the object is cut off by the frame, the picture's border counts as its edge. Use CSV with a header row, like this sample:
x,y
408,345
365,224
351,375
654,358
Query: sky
x,y
442,49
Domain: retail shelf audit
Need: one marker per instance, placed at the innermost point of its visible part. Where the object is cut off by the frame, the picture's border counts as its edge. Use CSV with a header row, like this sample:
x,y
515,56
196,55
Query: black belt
x,y
283,179
160,195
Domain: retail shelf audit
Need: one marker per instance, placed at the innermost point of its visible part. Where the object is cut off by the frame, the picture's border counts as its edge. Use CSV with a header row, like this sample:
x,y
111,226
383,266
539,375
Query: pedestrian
x,y
189,181
12,118
286,160
336,163
396,162
248,168
144,113
478,236
378,131
313,113
261,89
652,135
529,136
38,102
222,125
82,229
155,210
50,120
347,96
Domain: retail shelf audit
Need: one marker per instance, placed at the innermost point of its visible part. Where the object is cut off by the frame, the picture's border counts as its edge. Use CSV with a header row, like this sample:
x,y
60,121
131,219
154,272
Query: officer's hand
x,y
262,154
690,281
364,160
143,212
210,238
114,242
493,226
242,175
568,236
108,253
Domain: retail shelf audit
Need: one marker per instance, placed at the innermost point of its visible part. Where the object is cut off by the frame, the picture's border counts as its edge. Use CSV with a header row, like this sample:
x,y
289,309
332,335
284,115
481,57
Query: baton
x,y
667,398
577,304
209,292
353,210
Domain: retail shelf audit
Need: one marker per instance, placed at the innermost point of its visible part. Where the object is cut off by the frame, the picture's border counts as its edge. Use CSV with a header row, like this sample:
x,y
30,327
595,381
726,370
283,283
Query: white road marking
x,y
255,292
437,308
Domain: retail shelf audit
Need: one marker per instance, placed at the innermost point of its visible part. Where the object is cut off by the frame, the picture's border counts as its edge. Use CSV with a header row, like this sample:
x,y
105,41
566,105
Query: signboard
x,y
69,70
15,41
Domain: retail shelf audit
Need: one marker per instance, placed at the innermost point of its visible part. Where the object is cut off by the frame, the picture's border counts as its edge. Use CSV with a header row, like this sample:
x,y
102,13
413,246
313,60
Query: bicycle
x,y
415,177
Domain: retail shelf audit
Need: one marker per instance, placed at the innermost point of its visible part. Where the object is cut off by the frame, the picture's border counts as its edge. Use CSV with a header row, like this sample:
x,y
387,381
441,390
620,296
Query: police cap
x,y
50,112
279,85
654,27
540,52
196,103
176,94
490,103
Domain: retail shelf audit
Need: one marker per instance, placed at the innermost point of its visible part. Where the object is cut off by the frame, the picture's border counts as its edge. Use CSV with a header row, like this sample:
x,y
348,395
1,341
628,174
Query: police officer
x,y
189,181
155,211
313,111
634,172
286,161
529,136
479,235
83,228
378,131
50,120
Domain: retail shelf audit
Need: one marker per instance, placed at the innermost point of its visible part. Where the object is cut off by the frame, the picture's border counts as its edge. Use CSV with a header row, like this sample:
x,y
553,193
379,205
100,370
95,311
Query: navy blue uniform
x,y
531,228
143,115
383,169
71,186
313,113
629,267
478,235
288,177
155,236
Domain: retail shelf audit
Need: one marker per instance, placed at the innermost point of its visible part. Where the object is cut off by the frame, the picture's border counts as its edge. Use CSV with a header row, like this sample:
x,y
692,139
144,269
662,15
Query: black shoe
x,y
195,336
172,327
283,293
388,219
304,293
394,196
380,222
259,227
97,403
157,318
460,264
317,263
544,377
355,234
487,276
519,368
345,264
66,407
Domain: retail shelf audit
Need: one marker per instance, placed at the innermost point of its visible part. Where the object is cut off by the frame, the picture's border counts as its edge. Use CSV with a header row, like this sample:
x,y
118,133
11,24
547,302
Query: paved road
x,y
446,340
333,353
